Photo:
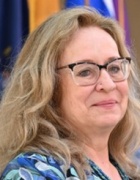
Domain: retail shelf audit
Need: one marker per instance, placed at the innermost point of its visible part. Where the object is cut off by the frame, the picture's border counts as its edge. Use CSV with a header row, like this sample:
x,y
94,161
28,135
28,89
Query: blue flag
x,y
101,6
104,7
13,29
73,3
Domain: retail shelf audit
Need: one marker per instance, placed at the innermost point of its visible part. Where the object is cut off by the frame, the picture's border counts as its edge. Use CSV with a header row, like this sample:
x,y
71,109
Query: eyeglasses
x,y
87,73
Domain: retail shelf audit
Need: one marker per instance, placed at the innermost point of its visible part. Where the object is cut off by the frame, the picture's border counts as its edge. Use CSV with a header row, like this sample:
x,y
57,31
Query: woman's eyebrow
x,y
94,61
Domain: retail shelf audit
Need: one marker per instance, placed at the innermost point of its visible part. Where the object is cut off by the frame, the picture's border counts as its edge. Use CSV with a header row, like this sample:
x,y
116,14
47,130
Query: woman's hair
x,y
29,112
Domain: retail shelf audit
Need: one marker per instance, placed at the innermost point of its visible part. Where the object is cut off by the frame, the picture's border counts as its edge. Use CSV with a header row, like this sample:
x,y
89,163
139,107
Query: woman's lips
x,y
106,103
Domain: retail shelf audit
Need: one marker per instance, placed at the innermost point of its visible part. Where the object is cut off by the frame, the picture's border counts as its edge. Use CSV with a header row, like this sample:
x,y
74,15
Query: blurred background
x,y
18,18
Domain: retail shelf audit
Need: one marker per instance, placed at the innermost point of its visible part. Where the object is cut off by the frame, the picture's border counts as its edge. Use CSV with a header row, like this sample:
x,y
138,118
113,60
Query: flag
x,y
73,3
122,17
13,31
39,10
104,7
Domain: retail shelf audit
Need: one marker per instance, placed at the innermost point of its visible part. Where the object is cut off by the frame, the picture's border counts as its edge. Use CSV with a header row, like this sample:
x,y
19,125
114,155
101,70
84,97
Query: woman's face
x,y
96,107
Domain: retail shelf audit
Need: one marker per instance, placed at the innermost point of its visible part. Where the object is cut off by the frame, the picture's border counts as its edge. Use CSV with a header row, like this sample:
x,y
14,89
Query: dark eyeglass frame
x,y
100,67
71,66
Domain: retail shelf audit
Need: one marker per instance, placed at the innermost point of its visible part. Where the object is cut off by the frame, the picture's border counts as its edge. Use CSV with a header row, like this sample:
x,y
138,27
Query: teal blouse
x,y
33,166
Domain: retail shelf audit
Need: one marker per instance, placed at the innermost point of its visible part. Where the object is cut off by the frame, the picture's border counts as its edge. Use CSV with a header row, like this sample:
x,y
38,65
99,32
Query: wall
x,y
133,9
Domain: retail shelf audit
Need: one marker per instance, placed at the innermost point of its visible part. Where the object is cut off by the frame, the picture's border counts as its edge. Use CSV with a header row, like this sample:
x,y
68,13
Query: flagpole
x,y
121,13
87,2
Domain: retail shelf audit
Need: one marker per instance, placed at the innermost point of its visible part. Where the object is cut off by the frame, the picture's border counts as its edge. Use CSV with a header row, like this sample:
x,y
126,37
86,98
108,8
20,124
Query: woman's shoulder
x,y
29,166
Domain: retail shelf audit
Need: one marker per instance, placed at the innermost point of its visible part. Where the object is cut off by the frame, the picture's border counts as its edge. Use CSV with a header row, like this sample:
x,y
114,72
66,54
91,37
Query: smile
x,y
109,103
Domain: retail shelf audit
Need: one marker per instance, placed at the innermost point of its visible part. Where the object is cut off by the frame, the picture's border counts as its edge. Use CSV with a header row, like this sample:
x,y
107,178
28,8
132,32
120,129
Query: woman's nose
x,y
105,82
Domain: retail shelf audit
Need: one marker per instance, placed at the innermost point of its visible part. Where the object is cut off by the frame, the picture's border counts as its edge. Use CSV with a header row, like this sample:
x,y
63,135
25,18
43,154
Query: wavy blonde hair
x,y
29,111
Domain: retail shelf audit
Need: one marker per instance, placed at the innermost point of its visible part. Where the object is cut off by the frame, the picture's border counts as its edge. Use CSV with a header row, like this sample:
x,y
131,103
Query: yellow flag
x,y
39,10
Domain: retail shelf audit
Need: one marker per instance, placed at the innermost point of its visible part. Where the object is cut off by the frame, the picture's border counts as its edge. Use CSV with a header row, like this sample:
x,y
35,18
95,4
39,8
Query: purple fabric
x,y
126,21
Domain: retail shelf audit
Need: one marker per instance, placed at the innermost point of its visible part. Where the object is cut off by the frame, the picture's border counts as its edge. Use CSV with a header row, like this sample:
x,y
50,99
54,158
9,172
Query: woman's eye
x,y
114,69
84,73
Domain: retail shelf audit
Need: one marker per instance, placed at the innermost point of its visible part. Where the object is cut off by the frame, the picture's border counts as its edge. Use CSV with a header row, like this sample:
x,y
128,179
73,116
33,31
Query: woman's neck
x,y
99,154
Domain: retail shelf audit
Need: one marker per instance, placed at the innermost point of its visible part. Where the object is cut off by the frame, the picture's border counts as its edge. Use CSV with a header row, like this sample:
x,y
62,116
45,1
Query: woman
x,y
71,110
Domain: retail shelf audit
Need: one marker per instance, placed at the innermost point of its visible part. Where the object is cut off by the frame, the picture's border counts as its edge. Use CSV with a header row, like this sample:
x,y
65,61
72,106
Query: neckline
x,y
97,171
